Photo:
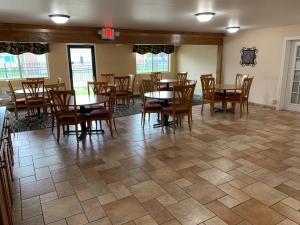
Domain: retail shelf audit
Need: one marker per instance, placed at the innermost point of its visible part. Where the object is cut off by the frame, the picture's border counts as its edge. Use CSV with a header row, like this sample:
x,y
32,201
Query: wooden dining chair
x,y
181,78
209,94
107,77
156,77
17,100
243,97
34,92
131,86
97,87
209,75
147,106
239,79
53,87
65,110
106,113
182,103
35,79
122,89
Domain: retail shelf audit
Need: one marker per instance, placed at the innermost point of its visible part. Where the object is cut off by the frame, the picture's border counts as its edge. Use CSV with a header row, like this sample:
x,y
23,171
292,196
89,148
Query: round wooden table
x,y
87,100
223,88
165,96
167,82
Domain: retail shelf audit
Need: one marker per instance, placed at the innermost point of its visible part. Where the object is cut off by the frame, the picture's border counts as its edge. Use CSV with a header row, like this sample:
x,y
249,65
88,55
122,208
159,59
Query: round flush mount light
x,y
232,29
59,18
205,16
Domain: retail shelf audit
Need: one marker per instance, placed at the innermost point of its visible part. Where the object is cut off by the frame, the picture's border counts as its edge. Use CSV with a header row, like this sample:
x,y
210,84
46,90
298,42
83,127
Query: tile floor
x,y
228,170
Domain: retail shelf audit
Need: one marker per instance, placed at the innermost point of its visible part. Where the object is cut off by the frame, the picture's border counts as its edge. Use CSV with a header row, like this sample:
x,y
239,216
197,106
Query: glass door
x,y
82,66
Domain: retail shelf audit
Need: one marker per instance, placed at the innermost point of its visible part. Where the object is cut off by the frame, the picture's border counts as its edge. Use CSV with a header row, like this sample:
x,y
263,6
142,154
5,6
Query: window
x,y
149,62
23,66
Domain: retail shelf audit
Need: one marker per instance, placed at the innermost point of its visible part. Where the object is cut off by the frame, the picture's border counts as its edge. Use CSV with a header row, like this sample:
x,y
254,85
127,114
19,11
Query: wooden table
x,y
88,100
223,88
167,82
165,96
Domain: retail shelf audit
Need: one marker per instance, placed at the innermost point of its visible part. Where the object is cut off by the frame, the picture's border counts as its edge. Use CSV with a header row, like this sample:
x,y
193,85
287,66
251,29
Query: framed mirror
x,y
248,56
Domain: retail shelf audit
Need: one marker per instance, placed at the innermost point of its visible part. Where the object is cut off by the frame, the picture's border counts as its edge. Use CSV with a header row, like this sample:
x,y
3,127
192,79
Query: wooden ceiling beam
x,y
66,34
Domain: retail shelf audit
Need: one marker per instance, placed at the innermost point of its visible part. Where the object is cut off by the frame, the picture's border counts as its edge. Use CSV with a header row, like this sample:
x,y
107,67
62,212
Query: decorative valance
x,y
154,49
15,48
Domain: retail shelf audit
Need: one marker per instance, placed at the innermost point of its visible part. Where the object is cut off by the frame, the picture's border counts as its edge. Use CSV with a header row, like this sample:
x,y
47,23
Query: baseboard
x,y
262,105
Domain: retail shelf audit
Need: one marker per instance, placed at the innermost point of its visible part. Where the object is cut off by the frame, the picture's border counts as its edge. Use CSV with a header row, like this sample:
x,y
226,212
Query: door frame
x,y
92,47
284,72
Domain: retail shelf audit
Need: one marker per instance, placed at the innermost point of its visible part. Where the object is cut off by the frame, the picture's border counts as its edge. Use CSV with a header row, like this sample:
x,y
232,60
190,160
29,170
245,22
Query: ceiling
x,y
167,15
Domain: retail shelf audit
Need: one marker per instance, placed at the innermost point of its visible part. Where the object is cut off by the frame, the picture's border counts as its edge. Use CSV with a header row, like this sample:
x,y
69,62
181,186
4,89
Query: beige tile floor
x,y
228,170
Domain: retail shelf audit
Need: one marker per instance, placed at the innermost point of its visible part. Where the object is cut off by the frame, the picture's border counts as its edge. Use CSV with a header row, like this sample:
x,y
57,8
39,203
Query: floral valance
x,y
154,49
16,48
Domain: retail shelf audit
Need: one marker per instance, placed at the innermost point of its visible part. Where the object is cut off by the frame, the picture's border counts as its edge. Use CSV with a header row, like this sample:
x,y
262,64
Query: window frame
x,y
24,78
167,71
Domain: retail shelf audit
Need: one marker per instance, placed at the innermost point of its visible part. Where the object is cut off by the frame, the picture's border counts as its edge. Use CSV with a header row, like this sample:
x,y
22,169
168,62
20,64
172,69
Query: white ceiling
x,y
172,15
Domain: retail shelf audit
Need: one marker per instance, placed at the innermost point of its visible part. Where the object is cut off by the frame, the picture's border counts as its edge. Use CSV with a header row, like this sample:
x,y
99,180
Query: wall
x,y
267,72
197,60
110,58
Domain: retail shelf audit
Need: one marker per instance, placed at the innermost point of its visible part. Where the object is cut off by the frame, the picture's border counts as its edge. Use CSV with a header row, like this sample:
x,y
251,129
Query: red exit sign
x,y
108,33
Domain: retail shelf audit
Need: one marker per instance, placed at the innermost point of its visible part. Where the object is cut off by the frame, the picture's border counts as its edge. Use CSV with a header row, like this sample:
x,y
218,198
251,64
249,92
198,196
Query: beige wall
x,y
110,58
197,60
267,72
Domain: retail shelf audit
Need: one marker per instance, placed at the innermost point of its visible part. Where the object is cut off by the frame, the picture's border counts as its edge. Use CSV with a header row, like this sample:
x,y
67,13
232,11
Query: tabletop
x,y
227,87
164,95
167,81
82,100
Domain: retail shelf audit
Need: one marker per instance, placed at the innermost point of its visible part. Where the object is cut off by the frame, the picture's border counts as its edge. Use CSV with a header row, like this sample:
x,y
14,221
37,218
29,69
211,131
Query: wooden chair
x,y
35,79
147,106
107,77
155,78
206,76
149,86
53,87
34,92
239,79
181,78
98,87
131,86
18,101
65,110
104,113
182,103
209,94
122,89
243,97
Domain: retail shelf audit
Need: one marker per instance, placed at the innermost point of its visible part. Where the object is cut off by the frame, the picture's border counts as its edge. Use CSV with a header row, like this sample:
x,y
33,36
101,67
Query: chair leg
x,y
110,128
212,108
142,115
16,113
52,123
58,132
247,107
189,121
241,109
143,125
76,129
202,106
114,124
174,124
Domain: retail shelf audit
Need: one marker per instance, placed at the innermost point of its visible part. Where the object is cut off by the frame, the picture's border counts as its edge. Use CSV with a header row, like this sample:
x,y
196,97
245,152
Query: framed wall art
x,y
248,56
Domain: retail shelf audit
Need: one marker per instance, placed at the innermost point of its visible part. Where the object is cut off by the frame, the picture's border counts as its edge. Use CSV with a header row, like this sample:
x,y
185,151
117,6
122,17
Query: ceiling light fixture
x,y
205,16
232,29
59,18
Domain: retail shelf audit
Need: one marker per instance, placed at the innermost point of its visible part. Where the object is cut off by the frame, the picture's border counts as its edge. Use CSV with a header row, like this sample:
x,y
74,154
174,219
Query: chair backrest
x,y
107,77
142,93
156,76
182,78
98,88
35,79
54,87
183,95
63,102
33,89
246,87
121,83
239,79
12,92
131,82
208,86
148,85
206,75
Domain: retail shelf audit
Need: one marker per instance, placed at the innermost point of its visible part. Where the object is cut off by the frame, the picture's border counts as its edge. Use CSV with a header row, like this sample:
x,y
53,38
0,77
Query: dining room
x,y
149,113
